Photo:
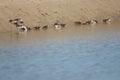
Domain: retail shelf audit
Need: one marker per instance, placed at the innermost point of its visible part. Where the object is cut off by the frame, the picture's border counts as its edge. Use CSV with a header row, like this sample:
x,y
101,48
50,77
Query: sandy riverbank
x,y
42,12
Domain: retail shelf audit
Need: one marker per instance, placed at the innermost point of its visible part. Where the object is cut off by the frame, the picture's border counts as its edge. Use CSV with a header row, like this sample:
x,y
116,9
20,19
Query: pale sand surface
x,y
46,12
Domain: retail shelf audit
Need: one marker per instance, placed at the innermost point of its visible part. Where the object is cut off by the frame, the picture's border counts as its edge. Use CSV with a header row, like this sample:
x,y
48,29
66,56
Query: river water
x,y
74,53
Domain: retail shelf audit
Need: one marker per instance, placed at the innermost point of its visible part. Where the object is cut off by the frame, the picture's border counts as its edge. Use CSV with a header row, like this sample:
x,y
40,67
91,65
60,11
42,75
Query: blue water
x,y
80,53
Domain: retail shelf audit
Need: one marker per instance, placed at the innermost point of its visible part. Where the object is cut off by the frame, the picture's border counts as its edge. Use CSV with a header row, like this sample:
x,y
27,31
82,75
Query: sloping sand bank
x,y
46,12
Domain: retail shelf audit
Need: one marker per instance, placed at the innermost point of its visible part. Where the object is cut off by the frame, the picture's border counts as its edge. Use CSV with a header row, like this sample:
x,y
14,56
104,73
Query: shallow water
x,y
74,53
